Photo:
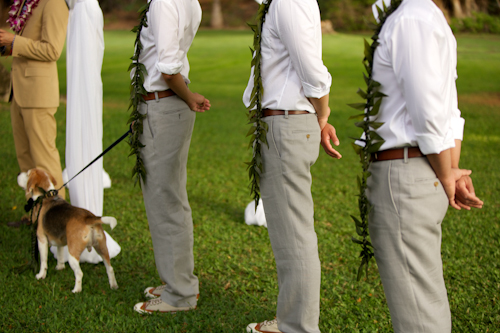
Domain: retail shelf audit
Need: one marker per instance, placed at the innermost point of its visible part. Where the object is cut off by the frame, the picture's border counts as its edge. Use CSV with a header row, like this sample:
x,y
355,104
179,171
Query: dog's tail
x,y
109,220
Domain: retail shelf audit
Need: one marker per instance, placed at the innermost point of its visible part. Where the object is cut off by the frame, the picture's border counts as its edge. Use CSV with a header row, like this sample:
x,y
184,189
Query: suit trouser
x,y
35,132
405,229
288,205
166,135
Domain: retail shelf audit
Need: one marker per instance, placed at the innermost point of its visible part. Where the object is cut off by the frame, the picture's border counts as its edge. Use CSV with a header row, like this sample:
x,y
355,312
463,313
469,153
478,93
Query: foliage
x,y
477,23
371,140
108,6
258,129
346,15
351,15
234,261
137,93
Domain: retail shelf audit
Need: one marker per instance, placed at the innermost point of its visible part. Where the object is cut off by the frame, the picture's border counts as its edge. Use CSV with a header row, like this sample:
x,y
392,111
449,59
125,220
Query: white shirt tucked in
x,y
292,67
172,25
416,64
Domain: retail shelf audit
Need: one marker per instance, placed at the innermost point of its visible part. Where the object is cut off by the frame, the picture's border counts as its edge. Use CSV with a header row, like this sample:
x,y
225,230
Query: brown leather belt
x,y
395,154
269,112
161,94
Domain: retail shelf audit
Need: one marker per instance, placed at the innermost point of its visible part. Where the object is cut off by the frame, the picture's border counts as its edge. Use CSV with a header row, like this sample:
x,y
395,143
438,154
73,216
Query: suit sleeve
x,y
49,47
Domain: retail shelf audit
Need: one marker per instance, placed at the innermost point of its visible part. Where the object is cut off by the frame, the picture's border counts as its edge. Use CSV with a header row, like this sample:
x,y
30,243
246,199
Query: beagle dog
x,y
61,224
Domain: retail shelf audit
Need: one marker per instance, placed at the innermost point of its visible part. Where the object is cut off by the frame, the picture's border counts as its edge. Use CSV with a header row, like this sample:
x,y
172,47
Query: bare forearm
x,y
322,109
455,154
195,101
177,84
441,163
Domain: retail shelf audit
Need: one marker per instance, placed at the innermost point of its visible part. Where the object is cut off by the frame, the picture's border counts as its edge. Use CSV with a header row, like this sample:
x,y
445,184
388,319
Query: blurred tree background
x,y
350,15
345,15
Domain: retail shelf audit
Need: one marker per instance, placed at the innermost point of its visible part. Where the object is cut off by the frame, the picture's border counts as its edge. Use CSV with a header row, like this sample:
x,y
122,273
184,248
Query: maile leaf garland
x,y
372,141
137,93
258,129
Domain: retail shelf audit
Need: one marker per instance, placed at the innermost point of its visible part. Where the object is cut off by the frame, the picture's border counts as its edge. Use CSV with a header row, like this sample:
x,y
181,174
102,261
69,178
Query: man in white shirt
x,y
167,129
415,175
295,102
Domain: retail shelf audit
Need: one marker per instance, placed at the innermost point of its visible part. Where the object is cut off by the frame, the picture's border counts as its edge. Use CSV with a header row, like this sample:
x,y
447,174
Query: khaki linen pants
x,y
35,132
405,229
167,134
288,205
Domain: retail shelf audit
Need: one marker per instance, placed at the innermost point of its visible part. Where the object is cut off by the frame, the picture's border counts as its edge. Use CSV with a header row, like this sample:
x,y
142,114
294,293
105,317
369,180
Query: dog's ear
x,y
22,180
32,182
52,179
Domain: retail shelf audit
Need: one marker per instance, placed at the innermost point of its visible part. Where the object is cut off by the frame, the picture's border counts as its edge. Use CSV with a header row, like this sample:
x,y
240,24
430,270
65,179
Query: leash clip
x,y
52,193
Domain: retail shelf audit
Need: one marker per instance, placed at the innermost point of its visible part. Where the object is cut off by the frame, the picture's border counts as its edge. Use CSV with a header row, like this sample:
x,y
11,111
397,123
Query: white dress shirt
x,y
416,64
172,25
292,67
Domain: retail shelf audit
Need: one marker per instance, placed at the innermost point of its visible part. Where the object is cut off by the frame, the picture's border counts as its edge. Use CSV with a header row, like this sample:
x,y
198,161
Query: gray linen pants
x,y
167,134
405,229
288,205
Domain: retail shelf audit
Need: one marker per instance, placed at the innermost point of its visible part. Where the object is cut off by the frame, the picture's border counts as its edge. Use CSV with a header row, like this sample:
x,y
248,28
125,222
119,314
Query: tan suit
x,y
36,87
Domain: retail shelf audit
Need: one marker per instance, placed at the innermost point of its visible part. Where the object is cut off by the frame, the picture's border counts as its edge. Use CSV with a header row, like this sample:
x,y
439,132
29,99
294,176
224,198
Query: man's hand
x,y
198,103
449,184
6,38
465,196
195,101
328,134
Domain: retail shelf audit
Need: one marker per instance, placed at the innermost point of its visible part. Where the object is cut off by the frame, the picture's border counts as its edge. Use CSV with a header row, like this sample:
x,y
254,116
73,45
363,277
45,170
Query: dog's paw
x,y
60,266
114,286
77,289
41,275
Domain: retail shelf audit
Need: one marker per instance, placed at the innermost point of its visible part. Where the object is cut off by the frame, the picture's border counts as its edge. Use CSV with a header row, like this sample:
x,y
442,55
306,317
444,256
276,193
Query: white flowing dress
x,y
84,55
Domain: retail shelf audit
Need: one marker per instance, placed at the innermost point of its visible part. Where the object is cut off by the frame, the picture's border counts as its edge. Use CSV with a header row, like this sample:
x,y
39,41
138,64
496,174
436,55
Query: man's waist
x,y
271,112
159,94
396,154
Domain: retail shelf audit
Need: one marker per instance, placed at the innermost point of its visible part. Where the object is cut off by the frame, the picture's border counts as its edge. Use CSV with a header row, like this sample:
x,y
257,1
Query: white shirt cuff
x,y
315,92
430,144
169,69
457,126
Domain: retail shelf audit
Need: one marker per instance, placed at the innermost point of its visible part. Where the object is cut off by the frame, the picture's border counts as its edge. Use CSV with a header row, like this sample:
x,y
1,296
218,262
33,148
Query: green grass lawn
x,y
234,261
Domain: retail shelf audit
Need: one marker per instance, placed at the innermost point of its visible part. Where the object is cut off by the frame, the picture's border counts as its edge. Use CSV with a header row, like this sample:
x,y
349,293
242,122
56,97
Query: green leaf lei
x,y
373,141
258,129
137,93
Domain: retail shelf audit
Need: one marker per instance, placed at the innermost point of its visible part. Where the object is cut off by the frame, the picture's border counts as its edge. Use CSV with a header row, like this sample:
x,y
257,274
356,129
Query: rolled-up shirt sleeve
x,y
457,125
457,122
418,66
164,21
298,25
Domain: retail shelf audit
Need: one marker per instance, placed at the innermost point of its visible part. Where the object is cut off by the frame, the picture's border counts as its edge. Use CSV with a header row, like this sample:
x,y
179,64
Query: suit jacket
x,y
36,49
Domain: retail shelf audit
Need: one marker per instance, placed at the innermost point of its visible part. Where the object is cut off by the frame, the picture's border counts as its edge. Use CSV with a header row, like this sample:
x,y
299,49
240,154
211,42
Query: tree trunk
x,y
443,8
469,7
4,9
217,21
457,9
4,84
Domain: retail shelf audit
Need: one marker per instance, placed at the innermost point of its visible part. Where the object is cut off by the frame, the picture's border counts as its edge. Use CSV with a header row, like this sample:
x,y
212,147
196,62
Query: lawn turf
x,y
234,261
